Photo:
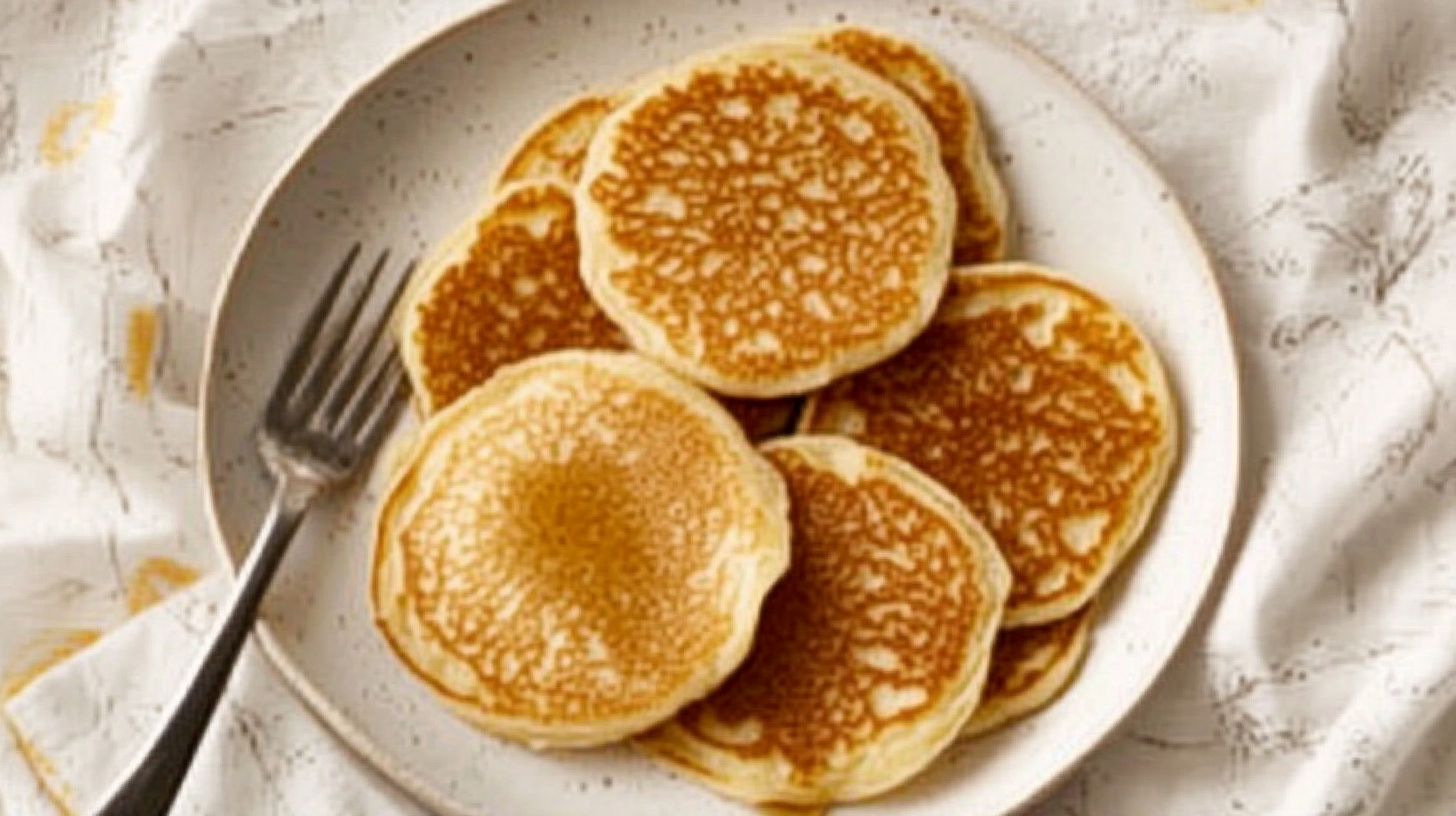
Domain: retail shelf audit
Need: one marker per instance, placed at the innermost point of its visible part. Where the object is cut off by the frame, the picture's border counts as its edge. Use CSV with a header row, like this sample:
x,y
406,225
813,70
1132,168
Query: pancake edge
x,y
903,750
523,142
769,561
453,250
1165,458
994,713
600,258
974,154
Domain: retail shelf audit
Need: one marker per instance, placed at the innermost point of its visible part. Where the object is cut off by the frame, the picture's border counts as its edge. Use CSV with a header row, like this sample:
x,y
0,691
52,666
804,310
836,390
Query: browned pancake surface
x,y
517,293
981,220
575,546
1021,656
805,682
767,223
1030,667
1039,442
555,148
870,652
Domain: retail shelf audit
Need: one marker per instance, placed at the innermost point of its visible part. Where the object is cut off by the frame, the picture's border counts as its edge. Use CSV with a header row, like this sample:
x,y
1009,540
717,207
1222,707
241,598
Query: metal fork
x,y
335,399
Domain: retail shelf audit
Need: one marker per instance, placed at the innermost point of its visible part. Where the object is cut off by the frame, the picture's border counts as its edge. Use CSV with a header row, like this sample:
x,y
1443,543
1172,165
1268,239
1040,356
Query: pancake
x,y
554,148
765,218
1043,409
1030,666
981,231
872,650
544,566
504,288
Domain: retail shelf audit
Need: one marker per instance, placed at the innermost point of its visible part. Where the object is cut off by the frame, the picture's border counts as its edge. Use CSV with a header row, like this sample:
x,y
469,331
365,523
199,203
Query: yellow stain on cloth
x,y
69,130
48,650
55,788
151,582
142,330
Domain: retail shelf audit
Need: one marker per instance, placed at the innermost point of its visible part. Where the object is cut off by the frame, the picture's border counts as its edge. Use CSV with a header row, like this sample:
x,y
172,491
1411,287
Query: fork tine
x,y
347,382
385,411
344,382
363,400
303,348
324,366
357,307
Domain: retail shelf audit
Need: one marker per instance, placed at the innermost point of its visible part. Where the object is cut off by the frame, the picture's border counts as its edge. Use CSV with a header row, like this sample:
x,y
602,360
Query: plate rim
x,y
411,784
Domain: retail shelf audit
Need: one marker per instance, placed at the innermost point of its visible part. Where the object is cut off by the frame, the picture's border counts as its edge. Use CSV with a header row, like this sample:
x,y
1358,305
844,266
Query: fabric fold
x,y
82,723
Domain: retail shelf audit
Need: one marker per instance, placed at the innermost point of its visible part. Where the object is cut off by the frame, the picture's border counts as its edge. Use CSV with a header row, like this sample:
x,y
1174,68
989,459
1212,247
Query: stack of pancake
x,y
741,439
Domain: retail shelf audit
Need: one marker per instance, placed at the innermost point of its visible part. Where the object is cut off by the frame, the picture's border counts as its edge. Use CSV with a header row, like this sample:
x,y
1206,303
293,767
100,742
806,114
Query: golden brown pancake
x,y
1043,409
981,223
576,549
554,148
872,650
504,288
765,218
1030,666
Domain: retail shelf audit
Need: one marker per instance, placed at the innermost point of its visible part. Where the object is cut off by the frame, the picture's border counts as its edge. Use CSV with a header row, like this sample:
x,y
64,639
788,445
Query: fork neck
x,y
297,483
295,490
150,786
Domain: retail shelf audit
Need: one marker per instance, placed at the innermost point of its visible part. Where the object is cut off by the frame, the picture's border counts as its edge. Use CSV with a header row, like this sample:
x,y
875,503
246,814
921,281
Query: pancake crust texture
x,y
1030,666
981,232
765,218
554,148
576,549
1040,406
872,650
506,287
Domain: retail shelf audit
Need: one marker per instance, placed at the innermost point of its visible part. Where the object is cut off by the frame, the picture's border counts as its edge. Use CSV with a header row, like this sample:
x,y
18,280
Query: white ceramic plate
x,y
404,159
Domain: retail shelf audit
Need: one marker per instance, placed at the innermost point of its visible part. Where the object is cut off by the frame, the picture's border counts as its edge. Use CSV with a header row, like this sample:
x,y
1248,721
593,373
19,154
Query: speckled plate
x,y
405,158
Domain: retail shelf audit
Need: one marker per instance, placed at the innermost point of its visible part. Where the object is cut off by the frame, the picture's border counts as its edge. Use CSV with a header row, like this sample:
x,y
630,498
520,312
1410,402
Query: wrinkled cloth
x,y
1310,140
83,722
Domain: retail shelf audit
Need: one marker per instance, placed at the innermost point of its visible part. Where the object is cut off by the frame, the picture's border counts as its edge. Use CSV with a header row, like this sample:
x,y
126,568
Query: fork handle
x,y
151,785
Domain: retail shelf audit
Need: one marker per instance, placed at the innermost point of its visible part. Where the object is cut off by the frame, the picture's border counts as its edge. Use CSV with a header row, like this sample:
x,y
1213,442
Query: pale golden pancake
x,y
872,650
981,232
1043,409
504,288
1030,666
765,218
577,548
554,148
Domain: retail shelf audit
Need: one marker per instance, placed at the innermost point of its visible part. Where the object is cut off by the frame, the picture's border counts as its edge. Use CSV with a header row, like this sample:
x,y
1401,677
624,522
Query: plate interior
x,y
407,158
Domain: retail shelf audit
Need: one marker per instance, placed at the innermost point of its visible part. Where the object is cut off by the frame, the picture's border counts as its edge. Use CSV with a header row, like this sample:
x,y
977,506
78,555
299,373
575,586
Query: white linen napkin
x,y
84,721
1311,141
